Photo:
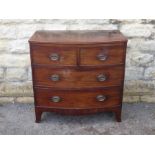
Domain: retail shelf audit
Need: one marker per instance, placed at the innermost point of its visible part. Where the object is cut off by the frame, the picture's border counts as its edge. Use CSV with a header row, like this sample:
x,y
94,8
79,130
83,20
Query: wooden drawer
x,y
78,99
73,78
54,56
108,55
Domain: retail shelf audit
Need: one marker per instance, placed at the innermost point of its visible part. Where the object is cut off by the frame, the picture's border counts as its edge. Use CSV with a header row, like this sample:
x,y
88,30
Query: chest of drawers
x,y
78,72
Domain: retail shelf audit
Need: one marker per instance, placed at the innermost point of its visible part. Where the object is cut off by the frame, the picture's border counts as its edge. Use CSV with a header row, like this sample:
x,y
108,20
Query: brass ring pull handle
x,y
55,99
101,77
55,77
54,57
101,98
102,57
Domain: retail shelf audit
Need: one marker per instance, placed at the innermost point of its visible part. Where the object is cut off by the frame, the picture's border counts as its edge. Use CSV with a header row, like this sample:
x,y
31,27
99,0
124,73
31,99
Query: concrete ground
x,y
18,119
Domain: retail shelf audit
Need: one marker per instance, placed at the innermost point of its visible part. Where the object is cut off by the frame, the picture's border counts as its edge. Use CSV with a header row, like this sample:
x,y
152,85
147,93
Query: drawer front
x,y
54,56
109,55
72,78
78,99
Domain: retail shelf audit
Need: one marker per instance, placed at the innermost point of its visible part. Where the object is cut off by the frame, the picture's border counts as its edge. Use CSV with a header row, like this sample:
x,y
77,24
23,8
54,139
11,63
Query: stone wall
x,y
15,72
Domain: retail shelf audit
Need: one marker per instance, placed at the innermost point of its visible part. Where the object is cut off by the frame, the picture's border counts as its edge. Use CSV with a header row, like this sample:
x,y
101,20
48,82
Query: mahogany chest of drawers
x,y
78,72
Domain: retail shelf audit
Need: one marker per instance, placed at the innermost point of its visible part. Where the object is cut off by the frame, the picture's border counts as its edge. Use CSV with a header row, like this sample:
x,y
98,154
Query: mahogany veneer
x,y
78,72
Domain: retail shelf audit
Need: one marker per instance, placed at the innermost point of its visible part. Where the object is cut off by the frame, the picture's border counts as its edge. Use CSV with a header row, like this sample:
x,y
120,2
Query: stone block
x,y
142,59
142,45
25,31
54,27
14,60
16,89
130,21
24,100
134,73
135,43
139,87
92,27
8,32
147,46
131,99
137,30
1,73
4,46
4,100
29,74
93,21
16,74
16,21
150,73
147,98
19,46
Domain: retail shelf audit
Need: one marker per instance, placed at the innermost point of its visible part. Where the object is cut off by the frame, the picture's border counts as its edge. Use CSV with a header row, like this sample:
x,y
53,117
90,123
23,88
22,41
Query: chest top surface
x,y
77,37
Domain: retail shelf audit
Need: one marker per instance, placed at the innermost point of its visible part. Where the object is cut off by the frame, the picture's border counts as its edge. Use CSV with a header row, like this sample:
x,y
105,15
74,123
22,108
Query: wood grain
x,y
78,78
41,55
78,99
89,56
78,67
77,37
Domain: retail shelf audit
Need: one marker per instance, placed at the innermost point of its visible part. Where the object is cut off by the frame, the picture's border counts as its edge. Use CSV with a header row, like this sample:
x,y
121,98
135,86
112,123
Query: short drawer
x,y
74,78
78,99
108,55
54,56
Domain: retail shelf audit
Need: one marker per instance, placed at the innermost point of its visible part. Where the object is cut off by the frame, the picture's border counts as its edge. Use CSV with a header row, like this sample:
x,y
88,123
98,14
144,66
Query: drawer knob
x,y
56,99
101,77
101,98
102,57
54,57
55,77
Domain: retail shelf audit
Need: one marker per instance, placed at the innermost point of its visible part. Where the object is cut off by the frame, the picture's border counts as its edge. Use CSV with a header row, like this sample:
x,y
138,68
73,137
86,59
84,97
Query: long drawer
x,y
78,99
75,78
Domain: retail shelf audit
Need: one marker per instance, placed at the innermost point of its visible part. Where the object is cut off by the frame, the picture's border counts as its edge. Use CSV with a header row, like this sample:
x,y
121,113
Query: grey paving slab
x,y
18,119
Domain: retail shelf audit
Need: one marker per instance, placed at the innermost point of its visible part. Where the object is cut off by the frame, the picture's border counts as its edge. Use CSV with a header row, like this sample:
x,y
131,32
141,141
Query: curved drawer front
x,y
72,78
54,56
110,55
78,99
